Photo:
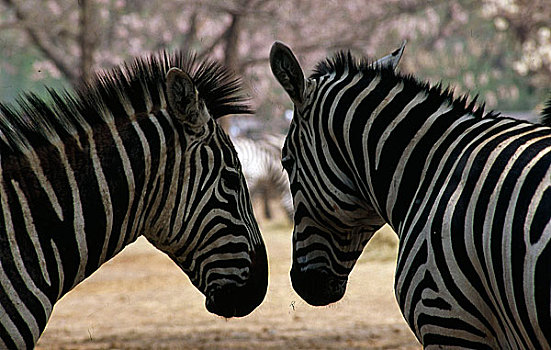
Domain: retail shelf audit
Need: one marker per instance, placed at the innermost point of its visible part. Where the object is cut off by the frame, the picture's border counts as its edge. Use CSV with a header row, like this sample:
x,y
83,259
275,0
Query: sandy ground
x,y
141,300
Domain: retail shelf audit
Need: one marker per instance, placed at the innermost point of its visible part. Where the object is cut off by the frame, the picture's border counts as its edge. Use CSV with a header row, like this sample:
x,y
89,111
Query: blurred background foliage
x,y
498,49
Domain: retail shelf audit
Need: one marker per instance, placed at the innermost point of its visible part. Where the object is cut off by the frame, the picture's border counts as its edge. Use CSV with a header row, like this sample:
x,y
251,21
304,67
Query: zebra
x,y
137,151
467,192
261,162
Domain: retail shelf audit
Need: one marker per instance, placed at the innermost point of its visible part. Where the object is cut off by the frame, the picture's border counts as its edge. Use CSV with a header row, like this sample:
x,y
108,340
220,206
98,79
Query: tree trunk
x,y
87,40
231,55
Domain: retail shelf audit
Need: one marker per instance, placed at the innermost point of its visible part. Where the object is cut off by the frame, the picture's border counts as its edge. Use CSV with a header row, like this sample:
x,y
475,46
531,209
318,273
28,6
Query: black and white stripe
x,y
136,152
261,162
468,193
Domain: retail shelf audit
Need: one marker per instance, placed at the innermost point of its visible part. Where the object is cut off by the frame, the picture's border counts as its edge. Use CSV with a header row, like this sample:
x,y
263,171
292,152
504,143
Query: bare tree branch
x,y
191,34
208,50
9,25
42,43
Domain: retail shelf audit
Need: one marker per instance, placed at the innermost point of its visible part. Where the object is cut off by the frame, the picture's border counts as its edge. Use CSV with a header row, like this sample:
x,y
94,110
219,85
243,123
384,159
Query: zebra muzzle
x,y
318,287
233,300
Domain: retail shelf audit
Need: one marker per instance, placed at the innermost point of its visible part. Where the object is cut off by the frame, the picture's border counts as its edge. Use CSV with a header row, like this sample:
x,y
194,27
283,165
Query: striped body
x,y
84,177
261,161
468,194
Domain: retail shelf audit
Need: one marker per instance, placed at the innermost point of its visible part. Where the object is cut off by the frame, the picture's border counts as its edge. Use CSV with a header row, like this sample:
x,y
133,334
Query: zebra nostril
x,y
335,285
221,301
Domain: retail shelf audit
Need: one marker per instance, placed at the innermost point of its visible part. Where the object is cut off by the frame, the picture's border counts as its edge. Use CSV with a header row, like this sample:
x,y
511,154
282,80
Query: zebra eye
x,y
231,179
287,163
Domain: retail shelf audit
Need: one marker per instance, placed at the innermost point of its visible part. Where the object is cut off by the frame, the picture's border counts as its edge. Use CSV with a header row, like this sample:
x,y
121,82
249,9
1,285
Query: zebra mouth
x,y
237,301
318,287
222,302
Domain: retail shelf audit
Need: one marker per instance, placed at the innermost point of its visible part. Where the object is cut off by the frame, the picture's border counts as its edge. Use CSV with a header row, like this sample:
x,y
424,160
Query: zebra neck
x,y
148,160
399,148
75,203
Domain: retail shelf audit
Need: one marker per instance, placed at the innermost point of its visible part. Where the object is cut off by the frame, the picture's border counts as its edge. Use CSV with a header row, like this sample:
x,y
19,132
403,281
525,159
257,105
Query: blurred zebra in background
x,y
136,152
260,156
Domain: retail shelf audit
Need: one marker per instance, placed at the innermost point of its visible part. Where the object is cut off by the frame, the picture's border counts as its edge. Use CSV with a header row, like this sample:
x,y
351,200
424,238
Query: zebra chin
x,y
230,300
318,287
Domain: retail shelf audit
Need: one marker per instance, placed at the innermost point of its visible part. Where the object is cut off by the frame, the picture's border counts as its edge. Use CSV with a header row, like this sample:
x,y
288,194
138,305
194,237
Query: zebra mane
x,y
140,85
340,62
344,61
545,118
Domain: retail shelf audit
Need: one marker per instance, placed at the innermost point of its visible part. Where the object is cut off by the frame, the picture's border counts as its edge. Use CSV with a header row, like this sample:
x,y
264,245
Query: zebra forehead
x,y
131,88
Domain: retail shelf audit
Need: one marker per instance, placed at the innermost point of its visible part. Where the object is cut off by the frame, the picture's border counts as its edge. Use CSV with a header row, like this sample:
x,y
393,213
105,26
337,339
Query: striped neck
x,y
400,148
386,127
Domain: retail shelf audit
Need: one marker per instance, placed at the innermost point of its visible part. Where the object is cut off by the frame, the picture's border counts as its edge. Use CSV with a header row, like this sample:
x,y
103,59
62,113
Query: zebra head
x,y
218,243
333,222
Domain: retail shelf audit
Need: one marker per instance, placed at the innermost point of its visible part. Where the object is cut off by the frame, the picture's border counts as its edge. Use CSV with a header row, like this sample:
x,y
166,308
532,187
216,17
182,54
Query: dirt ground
x,y
141,300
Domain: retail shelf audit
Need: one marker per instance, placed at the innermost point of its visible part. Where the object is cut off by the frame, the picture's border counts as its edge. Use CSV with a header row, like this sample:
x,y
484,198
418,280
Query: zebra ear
x,y
287,71
391,60
183,98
